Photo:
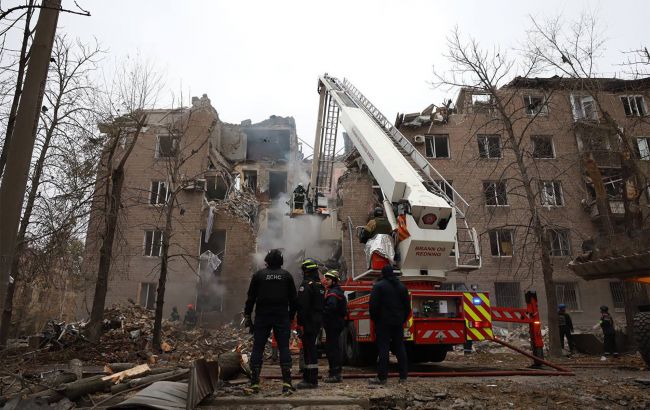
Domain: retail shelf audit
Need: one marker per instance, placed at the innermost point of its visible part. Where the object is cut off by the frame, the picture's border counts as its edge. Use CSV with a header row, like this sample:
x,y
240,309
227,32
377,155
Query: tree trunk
x,y
113,201
162,280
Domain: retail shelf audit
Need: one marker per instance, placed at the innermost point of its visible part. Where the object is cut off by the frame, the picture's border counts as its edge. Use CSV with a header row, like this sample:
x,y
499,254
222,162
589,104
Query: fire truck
x,y
432,236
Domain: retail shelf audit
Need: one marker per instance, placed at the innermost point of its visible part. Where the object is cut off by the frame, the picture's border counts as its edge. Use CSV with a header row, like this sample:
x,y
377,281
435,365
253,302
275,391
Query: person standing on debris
x,y
174,317
390,307
190,318
272,292
609,332
299,197
311,295
378,225
566,327
334,312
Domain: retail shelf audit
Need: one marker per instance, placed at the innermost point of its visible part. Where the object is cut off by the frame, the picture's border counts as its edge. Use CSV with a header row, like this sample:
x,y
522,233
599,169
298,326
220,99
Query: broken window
x,y
634,105
215,244
507,294
584,107
500,242
495,193
446,187
542,146
551,193
482,103
277,183
612,181
535,105
158,194
167,146
560,245
643,143
147,295
216,187
250,180
269,144
437,146
489,146
567,294
595,143
210,289
153,243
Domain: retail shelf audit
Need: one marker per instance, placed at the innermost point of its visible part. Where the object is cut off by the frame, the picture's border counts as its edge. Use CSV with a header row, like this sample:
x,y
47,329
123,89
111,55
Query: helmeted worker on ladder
x,y
378,225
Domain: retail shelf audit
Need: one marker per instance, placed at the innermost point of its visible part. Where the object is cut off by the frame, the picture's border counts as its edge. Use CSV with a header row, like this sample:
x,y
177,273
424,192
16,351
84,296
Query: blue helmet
x,y
561,306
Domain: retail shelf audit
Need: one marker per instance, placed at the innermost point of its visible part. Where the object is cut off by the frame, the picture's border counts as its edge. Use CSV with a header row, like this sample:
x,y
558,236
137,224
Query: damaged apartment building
x,y
466,143
226,182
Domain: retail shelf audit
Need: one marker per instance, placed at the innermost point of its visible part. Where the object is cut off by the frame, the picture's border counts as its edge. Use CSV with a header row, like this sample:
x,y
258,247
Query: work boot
x,y
307,380
255,379
334,377
377,381
287,387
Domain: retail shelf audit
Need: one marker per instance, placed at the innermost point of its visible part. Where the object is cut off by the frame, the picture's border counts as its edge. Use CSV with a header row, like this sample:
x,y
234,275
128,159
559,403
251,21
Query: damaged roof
x,y
603,83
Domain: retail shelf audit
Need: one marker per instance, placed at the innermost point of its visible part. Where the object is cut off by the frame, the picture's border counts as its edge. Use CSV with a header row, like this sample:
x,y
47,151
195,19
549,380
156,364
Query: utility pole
x,y
14,179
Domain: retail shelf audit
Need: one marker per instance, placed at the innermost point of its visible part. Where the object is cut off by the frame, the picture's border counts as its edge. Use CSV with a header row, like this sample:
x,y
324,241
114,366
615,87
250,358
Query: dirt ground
x,y
600,385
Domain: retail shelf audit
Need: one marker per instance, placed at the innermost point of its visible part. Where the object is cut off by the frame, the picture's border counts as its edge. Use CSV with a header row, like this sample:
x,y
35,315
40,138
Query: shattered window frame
x,y
643,146
634,105
501,243
156,195
149,291
550,193
152,245
535,105
584,107
495,193
567,294
173,148
507,294
487,149
433,144
246,173
560,242
543,147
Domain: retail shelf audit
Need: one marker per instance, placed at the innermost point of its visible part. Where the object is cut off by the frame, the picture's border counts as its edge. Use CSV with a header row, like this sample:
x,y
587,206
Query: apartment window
x,y
250,180
489,146
560,245
634,105
507,294
147,295
501,242
446,187
158,194
643,143
551,193
482,103
535,105
495,193
437,146
216,187
152,243
584,107
567,294
616,288
166,147
542,146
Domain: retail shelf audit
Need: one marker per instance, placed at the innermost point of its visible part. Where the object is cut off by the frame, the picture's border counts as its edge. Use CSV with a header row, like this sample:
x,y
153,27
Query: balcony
x,y
615,206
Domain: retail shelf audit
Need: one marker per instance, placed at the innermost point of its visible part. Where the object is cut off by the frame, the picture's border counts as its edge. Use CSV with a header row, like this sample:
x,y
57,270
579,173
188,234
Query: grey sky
x,y
258,58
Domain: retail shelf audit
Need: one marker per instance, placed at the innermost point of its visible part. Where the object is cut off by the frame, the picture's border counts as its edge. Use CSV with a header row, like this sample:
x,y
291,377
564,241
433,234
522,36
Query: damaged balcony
x,y
616,207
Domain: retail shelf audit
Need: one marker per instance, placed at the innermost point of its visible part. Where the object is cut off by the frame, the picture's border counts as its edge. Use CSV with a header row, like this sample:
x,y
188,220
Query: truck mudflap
x,y
478,316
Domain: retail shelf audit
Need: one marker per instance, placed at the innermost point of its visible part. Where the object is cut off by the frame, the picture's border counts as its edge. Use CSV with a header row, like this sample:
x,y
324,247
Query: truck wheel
x,y
642,333
427,353
355,353
439,354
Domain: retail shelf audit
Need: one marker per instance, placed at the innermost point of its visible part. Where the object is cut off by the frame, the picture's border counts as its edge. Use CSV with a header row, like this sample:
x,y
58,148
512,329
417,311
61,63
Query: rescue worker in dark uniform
x,y
190,318
272,292
378,225
334,312
566,327
609,332
311,296
299,197
390,308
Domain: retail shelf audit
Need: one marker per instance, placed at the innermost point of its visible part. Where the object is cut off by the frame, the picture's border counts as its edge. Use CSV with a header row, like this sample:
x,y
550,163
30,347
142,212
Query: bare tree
x,y
62,130
126,103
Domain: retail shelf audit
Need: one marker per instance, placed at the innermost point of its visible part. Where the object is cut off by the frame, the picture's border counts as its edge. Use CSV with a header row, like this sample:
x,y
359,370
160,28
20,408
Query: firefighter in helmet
x,y
334,312
311,294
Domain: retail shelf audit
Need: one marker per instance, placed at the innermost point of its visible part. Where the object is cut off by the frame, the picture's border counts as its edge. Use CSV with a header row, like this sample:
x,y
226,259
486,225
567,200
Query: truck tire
x,y
426,353
642,334
357,353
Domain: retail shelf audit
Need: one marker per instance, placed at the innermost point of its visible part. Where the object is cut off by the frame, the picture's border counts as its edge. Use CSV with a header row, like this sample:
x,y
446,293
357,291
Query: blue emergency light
x,y
476,300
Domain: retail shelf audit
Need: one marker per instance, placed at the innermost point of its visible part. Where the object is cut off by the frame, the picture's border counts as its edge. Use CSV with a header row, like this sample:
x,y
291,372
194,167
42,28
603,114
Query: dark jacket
x,y
311,296
190,317
272,291
389,302
607,323
564,320
378,225
335,309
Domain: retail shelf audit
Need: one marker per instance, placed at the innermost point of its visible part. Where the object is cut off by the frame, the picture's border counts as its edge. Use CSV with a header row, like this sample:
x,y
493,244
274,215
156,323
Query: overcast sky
x,y
260,58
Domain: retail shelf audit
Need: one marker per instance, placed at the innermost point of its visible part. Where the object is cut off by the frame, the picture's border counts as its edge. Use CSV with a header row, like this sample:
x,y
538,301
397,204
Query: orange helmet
x,y
190,306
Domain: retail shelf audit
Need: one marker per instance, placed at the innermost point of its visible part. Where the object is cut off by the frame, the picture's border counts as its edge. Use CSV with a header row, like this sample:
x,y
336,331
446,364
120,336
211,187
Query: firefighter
x,y
566,327
311,295
272,292
299,197
390,308
334,312
174,317
609,332
190,318
378,225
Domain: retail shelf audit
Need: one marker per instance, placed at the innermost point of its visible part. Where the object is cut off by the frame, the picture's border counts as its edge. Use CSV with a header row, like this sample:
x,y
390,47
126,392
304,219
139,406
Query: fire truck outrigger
x,y
434,236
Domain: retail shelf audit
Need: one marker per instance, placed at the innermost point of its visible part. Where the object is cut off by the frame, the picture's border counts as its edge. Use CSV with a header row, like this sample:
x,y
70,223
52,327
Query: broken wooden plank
x,y
127,374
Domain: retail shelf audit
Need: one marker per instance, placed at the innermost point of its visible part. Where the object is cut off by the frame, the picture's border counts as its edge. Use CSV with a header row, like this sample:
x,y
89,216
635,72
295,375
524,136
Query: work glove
x,y
248,322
